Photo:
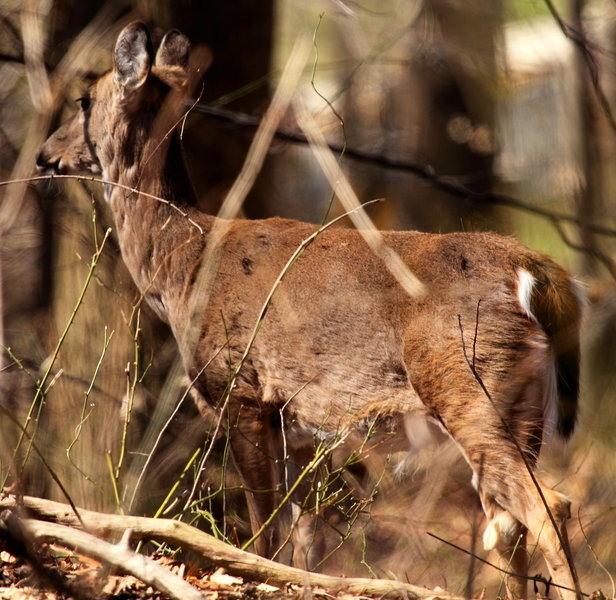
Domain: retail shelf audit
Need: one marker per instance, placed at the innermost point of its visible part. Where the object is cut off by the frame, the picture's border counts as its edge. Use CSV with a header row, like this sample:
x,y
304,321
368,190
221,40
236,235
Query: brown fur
x,y
341,342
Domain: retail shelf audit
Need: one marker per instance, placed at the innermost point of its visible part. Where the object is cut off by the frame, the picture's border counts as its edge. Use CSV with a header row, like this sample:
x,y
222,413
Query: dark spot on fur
x,y
395,372
464,263
247,266
399,372
275,420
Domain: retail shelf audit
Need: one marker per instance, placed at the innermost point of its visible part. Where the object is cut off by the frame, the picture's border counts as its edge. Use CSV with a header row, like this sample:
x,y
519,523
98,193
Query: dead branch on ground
x,y
175,533
119,556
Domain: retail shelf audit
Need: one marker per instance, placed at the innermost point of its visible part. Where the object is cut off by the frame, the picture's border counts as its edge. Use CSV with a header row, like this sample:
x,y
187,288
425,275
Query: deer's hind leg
x,y
513,499
307,536
513,509
507,537
254,442
499,429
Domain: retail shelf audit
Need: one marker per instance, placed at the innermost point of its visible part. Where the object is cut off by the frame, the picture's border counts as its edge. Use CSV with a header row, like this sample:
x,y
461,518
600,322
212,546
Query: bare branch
x,y
578,37
446,183
214,551
118,555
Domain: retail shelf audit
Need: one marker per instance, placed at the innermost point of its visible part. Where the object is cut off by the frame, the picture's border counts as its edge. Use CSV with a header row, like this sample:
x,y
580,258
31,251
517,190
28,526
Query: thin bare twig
x,y
104,182
41,386
536,578
594,554
49,468
190,386
578,37
446,183
607,261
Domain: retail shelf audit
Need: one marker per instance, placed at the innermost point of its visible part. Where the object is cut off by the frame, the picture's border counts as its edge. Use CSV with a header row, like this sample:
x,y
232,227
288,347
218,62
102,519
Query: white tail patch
x,y
526,282
550,402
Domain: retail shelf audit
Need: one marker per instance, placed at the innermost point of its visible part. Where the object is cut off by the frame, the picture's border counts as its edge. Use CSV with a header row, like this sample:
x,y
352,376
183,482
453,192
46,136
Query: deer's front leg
x,y
254,448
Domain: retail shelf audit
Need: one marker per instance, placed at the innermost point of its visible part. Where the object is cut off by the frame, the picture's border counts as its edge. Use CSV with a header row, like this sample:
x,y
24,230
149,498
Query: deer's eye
x,y
84,101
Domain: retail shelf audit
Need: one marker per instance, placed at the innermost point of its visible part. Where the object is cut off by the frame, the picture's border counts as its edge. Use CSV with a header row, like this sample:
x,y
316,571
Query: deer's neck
x,y
160,232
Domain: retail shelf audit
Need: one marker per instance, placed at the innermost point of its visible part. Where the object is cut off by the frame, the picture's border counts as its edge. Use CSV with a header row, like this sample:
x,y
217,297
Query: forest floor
x,y
80,578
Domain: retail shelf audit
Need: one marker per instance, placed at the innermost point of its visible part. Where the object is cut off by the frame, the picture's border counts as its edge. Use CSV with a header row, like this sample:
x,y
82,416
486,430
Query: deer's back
x,y
340,335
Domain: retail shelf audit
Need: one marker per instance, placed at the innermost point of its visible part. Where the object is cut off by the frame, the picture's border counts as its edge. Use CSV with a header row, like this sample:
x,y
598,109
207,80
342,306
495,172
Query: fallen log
x,y
213,551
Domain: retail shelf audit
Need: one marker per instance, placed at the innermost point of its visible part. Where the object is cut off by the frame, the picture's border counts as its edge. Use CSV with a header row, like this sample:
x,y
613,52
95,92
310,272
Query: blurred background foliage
x,y
490,114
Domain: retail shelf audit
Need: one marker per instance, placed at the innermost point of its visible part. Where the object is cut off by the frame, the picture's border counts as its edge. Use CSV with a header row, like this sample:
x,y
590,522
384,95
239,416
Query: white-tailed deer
x,y
489,352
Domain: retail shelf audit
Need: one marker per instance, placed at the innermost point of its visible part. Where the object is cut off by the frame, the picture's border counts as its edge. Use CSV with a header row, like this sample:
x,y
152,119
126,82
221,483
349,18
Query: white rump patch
x,y
526,282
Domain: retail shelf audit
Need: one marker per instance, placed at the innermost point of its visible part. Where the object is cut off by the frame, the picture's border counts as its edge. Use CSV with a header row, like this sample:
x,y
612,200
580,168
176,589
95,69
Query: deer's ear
x,y
133,57
173,51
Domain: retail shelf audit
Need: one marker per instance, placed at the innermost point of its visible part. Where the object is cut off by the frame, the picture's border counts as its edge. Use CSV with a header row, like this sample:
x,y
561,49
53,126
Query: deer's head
x,y
135,103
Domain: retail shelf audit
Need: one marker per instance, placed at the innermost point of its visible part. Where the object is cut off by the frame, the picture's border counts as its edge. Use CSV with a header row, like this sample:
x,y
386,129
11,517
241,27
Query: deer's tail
x,y
555,300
